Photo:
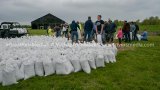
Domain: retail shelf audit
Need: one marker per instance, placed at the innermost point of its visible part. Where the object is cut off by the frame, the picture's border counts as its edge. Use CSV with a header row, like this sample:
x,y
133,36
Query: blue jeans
x,y
89,36
74,33
127,36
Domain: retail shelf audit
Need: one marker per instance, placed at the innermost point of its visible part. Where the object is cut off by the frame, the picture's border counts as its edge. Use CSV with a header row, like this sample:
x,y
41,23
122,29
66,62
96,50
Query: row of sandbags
x,y
12,71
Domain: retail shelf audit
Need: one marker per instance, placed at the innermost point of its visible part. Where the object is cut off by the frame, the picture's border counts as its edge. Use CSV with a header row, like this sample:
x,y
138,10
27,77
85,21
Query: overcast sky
x,y
25,11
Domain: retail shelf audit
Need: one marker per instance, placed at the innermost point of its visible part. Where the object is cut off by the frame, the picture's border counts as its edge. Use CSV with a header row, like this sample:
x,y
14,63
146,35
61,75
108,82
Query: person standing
x,y
93,33
74,26
132,30
112,30
88,27
99,25
106,31
50,31
135,32
58,30
126,31
64,30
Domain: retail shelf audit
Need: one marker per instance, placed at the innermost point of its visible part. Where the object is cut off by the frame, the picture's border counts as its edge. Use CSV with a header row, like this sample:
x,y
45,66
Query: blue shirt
x,y
144,35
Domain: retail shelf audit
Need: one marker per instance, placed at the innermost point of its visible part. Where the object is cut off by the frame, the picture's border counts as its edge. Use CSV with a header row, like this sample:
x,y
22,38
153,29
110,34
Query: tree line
x,y
153,20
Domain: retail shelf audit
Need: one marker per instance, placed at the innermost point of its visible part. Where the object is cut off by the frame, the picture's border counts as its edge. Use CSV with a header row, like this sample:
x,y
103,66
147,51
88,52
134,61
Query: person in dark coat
x,y
74,27
126,31
88,27
58,30
135,32
112,30
107,31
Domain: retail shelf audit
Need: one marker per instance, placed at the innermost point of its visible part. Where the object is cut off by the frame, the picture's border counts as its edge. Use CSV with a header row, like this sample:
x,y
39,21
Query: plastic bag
x,y
100,61
92,62
63,67
48,67
39,70
76,64
139,37
99,38
0,76
19,72
9,76
29,70
85,66
79,34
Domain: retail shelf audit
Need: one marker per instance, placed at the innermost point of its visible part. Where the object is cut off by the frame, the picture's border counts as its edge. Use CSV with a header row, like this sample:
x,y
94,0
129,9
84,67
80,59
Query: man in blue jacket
x,y
74,26
88,27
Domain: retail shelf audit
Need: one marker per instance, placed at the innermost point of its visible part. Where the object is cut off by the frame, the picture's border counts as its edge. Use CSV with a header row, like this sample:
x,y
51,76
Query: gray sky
x,y
25,11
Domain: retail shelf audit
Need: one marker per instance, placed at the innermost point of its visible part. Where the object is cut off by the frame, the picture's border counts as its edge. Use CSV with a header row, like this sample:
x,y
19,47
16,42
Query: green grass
x,y
151,28
136,69
38,32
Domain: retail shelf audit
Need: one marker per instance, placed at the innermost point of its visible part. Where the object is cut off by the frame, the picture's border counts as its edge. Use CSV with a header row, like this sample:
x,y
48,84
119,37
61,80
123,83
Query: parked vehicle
x,y
12,30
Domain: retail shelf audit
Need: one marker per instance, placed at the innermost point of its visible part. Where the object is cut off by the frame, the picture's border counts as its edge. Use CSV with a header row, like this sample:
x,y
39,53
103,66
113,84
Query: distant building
x,y
45,21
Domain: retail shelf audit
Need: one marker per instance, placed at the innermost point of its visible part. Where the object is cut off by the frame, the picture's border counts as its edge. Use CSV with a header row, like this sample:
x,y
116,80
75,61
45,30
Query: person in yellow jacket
x,y
50,31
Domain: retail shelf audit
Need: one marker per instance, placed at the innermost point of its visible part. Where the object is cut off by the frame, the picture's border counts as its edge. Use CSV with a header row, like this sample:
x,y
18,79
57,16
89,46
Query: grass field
x,y
150,28
137,68
33,32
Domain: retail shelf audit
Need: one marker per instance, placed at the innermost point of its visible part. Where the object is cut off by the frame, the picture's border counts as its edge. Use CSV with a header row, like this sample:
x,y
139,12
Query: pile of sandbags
x,y
26,57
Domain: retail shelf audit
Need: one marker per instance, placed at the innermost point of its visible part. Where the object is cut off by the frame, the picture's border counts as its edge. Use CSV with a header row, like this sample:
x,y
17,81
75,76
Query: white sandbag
x,y
19,72
69,67
76,64
131,36
111,57
100,61
79,34
60,68
48,67
92,62
99,38
0,76
106,59
85,66
9,76
115,50
1,69
54,65
139,37
39,70
29,70
64,67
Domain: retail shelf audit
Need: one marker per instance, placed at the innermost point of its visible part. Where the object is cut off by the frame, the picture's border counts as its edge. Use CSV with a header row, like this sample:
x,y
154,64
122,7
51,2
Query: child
x,y
120,35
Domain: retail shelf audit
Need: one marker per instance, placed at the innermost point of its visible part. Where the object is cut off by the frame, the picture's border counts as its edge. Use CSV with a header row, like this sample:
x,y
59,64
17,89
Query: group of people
x,y
106,29
58,30
91,30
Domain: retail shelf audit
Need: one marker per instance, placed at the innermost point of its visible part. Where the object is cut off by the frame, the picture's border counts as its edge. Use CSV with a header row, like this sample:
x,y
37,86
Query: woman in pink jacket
x,y
120,35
